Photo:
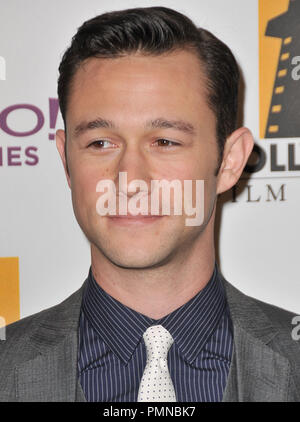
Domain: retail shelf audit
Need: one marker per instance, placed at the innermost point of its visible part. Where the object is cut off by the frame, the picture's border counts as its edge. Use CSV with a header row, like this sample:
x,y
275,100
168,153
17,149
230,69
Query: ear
x,y
61,145
237,149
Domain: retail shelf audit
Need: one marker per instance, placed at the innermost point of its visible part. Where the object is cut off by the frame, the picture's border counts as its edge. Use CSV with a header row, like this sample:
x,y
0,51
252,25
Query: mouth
x,y
135,219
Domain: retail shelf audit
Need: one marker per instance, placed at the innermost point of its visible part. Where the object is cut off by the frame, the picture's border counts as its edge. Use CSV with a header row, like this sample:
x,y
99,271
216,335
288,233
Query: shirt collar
x,y
121,328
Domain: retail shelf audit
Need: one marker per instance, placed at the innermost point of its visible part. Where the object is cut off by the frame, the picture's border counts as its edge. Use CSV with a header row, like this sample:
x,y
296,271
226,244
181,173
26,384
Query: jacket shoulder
x,y
17,345
248,309
35,335
280,317
271,324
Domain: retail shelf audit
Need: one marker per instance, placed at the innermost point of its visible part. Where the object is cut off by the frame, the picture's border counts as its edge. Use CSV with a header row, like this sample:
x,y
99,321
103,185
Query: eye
x,y
101,144
166,142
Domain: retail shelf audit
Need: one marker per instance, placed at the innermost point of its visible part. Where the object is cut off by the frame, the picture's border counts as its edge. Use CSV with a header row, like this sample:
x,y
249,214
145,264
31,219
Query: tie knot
x,y
158,341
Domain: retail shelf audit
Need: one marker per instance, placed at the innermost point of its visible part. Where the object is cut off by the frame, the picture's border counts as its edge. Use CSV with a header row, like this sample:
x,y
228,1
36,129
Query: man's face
x,y
136,94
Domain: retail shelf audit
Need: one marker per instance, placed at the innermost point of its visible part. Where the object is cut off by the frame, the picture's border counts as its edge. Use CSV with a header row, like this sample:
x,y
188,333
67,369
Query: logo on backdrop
x,y
9,292
18,155
280,75
278,152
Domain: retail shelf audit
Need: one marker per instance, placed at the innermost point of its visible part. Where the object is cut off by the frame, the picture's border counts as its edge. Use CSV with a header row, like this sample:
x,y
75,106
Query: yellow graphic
x,y
9,289
269,50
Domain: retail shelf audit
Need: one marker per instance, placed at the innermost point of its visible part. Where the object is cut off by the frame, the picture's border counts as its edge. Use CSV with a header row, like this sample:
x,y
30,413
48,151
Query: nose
x,y
134,166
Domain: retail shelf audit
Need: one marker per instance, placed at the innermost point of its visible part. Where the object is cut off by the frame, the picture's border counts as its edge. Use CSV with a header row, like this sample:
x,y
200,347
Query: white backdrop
x,y
258,241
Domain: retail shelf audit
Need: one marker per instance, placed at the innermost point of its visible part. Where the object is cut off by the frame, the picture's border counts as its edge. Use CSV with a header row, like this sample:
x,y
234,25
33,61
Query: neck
x,y
156,292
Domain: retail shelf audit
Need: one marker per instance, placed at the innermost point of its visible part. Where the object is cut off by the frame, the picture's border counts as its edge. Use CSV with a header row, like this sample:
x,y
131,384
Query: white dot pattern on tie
x,y
156,383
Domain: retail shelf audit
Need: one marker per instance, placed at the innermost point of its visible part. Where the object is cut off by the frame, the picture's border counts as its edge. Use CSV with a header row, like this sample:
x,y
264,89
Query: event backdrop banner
x,y
44,256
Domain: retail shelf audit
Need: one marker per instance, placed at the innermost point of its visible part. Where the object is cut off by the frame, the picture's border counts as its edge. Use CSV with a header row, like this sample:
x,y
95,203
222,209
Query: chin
x,y
135,262
129,249
136,258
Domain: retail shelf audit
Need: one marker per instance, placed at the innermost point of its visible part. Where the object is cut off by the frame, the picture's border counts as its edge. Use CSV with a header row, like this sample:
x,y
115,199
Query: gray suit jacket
x,y
38,359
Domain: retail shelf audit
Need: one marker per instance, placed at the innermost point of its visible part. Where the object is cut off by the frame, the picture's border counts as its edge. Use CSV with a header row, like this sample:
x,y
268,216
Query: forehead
x,y
139,82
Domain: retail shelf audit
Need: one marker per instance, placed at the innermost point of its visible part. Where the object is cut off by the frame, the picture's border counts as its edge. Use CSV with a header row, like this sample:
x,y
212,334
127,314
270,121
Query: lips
x,y
136,220
135,216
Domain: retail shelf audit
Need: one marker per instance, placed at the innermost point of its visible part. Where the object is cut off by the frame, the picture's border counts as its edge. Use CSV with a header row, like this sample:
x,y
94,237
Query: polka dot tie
x,y
156,383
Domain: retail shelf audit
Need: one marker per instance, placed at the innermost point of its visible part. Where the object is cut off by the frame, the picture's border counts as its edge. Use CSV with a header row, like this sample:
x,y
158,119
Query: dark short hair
x,y
155,31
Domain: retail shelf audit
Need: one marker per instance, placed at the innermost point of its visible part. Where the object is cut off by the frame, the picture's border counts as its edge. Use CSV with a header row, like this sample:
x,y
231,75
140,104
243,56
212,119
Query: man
x,y
146,94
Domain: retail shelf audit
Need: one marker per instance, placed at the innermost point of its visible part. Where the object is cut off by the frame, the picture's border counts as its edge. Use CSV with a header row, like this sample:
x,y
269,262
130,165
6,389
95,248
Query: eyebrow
x,y
174,124
158,123
93,124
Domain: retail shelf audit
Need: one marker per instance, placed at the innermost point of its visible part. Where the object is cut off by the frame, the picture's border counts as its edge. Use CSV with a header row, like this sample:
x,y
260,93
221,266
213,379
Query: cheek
x,y
84,181
182,170
193,171
204,191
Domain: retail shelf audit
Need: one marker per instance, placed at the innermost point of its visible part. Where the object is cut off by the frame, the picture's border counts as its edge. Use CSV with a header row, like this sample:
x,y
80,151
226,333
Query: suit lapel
x,y
52,374
257,372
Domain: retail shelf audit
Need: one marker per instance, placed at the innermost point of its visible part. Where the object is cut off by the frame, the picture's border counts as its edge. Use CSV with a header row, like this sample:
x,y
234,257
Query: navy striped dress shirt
x,y
112,353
